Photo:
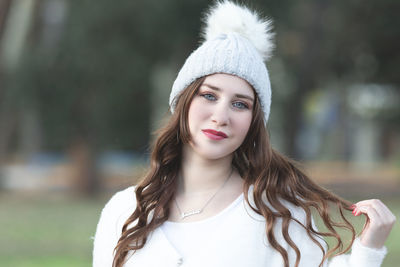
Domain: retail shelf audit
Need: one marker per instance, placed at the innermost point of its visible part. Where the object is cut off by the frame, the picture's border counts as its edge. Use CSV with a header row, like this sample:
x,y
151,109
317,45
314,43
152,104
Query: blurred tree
x,y
4,123
325,42
91,83
14,26
4,9
85,76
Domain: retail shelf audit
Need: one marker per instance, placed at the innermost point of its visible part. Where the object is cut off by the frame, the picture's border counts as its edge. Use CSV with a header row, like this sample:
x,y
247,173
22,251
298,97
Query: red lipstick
x,y
215,135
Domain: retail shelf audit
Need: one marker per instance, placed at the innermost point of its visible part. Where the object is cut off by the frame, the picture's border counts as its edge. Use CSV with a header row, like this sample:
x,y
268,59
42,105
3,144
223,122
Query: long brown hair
x,y
274,176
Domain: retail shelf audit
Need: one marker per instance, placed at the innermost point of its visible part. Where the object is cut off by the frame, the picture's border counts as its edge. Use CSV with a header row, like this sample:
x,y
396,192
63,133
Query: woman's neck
x,y
201,176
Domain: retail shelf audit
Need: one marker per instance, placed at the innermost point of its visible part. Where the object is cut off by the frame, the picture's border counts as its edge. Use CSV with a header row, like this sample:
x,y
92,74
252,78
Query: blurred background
x,y
83,84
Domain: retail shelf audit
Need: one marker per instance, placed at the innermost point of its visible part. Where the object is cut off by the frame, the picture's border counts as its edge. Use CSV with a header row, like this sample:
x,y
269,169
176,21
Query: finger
x,y
369,202
372,214
377,203
367,209
379,207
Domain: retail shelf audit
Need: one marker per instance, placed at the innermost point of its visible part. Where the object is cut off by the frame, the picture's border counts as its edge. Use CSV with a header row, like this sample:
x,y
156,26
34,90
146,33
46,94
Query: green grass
x,y
47,231
56,231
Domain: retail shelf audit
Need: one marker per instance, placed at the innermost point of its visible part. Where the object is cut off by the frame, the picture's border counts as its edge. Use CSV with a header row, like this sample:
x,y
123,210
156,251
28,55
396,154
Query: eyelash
x,y
245,106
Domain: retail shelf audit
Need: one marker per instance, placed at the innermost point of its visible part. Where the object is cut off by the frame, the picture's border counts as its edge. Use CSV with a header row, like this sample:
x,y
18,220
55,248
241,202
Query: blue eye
x,y
240,105
208,96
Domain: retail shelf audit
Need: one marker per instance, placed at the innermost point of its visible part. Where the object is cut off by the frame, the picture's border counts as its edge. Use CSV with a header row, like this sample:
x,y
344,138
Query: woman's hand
x,y
380,221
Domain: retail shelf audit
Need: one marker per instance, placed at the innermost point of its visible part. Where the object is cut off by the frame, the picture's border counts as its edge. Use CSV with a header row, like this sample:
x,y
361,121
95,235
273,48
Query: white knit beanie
x,y
236,42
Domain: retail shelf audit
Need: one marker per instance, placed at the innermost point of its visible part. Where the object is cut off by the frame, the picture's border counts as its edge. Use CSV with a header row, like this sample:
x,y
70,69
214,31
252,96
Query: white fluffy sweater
x,y
235,239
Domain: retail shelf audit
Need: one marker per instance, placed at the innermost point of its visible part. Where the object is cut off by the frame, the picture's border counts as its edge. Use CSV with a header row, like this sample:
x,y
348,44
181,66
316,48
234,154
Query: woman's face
x,y
220,115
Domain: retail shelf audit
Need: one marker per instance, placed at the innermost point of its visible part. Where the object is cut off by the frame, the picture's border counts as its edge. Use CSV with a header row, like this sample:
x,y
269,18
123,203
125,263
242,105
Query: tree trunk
x,y
84,178
309,62
4,8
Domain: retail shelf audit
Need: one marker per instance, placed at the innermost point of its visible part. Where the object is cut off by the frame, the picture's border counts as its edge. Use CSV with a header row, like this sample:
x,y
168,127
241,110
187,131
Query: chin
x,y
213,154
212,151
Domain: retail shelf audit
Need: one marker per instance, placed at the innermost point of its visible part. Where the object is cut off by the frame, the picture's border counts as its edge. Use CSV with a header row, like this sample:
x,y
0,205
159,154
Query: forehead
x,y
229,84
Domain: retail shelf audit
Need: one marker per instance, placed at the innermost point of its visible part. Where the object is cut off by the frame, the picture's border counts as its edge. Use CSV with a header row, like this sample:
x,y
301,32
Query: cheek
x,y
196,113
244,125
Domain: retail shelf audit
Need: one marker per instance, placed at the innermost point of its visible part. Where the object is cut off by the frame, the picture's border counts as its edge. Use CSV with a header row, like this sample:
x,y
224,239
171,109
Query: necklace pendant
x,y
190,213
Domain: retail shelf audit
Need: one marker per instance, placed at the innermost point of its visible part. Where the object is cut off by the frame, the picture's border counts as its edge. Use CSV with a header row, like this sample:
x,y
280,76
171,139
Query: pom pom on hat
x,y
226,17
237,42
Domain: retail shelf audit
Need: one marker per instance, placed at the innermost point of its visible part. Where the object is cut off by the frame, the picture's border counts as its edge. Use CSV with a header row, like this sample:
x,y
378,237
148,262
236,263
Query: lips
x,y
215,135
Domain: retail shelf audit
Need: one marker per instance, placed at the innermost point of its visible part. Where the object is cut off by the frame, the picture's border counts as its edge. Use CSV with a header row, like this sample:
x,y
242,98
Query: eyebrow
x,y
237,95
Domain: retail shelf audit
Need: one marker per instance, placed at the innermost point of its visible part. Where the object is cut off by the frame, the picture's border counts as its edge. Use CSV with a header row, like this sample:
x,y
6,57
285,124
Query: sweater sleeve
x,y
112,218
311,254
360,256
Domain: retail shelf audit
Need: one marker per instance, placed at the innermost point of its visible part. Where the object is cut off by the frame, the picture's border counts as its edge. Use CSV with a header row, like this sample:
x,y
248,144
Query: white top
x,y
182,235
235,237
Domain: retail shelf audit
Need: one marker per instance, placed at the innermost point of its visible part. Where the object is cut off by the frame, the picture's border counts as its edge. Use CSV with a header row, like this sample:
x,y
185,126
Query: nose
x,y
220,115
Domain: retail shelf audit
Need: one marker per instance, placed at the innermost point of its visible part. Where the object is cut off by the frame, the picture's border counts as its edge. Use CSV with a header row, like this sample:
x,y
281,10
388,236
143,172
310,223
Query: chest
x,y
236,241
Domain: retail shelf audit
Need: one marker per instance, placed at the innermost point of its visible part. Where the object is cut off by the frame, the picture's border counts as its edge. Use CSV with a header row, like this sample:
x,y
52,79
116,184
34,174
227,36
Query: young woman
x,y
216,193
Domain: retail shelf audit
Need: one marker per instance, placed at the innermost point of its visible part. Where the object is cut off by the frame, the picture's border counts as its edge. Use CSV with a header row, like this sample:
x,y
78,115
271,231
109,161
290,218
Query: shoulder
x,y
121,203
298,215
124,197
113,216
117,210
295,211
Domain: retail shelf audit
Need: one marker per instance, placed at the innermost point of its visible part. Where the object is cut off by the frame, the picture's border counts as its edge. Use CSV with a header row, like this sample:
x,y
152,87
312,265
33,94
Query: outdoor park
x,y
83,88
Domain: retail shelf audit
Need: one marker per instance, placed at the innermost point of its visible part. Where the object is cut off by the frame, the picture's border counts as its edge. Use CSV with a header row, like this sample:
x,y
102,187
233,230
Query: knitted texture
x,y
230,51
242,224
